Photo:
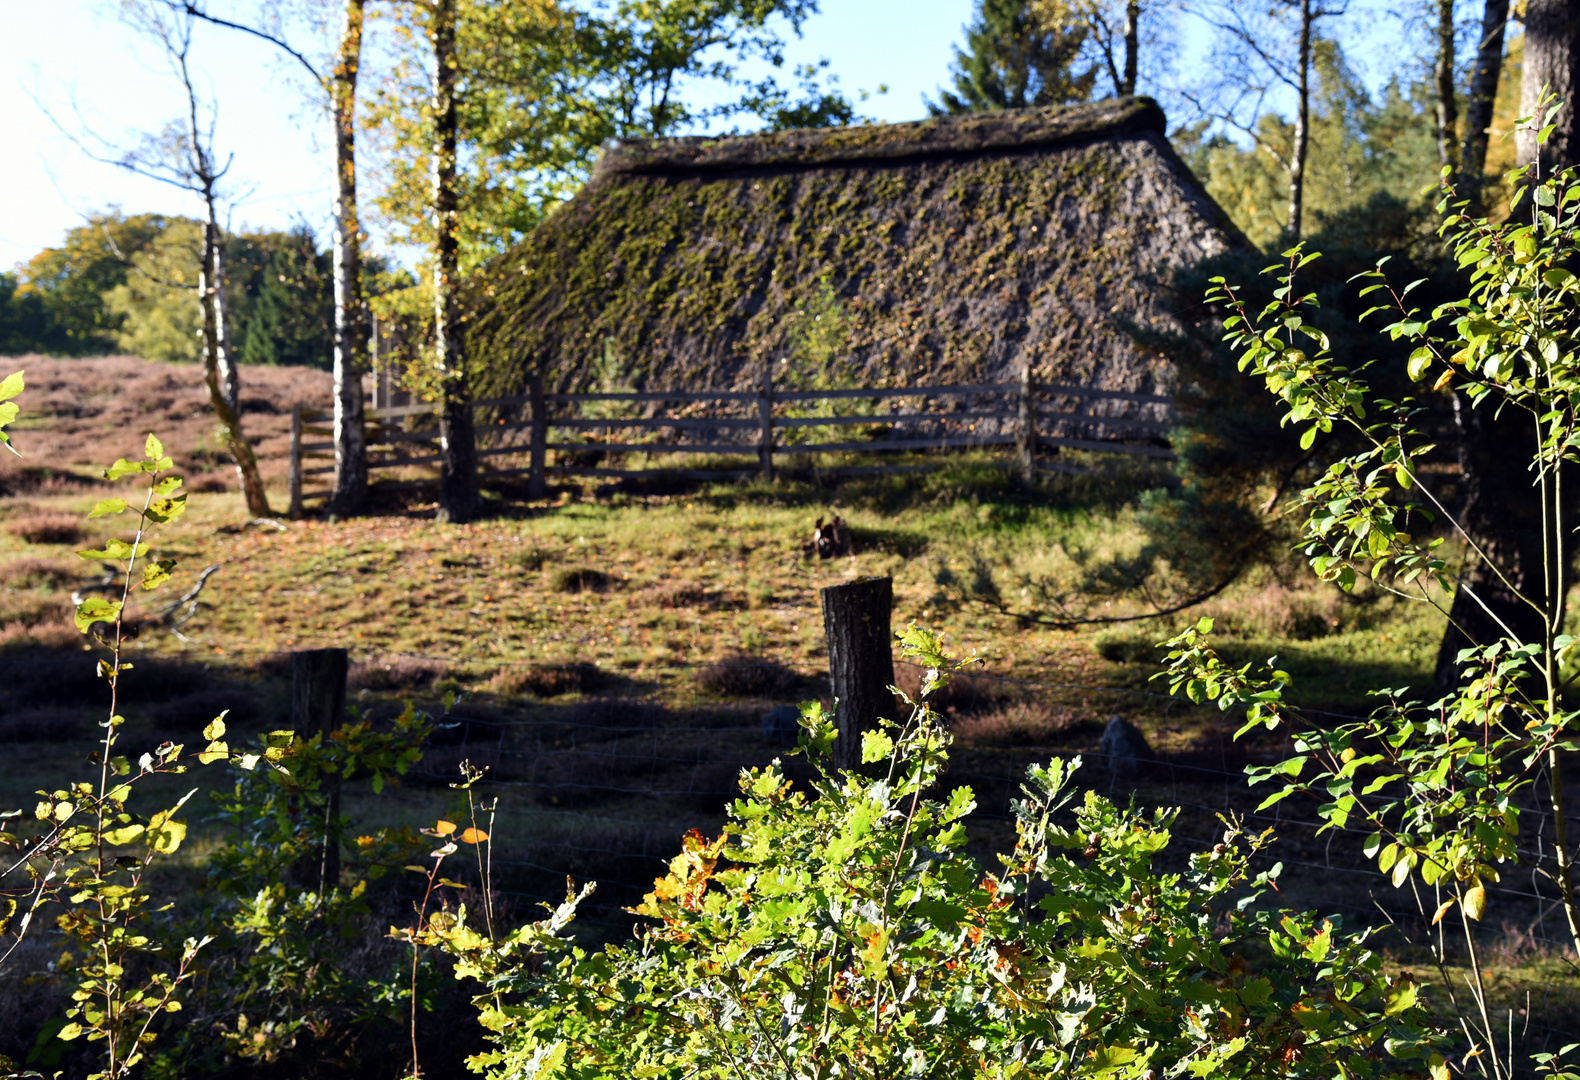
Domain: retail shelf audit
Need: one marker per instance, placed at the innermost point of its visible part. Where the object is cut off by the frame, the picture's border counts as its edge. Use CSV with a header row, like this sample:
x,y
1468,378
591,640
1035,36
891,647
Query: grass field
x,y
616,651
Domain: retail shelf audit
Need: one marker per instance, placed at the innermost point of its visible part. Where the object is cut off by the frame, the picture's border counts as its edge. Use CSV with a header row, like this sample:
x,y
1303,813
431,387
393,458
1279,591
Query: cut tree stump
x,y
318,704
860,661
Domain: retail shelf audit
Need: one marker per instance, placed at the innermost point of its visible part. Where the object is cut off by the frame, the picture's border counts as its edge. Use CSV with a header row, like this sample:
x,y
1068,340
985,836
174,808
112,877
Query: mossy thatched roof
x,y
951,249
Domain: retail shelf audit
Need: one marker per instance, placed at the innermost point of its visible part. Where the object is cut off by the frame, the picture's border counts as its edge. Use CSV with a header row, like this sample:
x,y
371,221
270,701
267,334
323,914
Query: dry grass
x,y
80,415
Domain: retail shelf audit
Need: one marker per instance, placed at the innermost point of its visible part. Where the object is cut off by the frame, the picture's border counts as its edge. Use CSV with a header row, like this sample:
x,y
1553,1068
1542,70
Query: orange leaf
x,y
473,836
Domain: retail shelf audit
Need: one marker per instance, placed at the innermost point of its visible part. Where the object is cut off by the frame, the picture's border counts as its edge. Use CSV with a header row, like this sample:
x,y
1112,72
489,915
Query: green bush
x,y
844,932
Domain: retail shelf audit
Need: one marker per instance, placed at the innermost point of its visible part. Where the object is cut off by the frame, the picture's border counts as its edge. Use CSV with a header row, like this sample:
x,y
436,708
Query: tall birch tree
x,y
1265,52
339,87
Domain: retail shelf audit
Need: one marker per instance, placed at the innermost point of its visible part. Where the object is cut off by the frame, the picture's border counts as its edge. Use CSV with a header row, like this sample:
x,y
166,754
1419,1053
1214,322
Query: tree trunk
x,y
318,700
1297,157
219,365
1483,94
860,660
457,444
1552,61
1502,510
351,464
1132,44
1447,109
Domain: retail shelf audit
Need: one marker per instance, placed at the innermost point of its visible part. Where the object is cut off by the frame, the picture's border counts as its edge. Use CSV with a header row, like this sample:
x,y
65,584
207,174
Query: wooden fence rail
x,y
1027,415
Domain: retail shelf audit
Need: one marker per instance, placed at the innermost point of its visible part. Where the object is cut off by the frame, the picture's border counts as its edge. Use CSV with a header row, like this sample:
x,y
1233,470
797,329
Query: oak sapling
x,y
845,932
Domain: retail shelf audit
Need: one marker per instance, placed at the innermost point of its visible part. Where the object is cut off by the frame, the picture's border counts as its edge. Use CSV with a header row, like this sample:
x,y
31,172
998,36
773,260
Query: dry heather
x,y
78,415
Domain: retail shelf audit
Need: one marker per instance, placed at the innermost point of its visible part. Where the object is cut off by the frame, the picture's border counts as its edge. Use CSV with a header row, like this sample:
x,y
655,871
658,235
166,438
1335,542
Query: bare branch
x,y
197,12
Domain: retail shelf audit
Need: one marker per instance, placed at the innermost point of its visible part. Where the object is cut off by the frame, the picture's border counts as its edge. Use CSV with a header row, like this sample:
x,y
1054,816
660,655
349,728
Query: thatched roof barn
x,y
947,250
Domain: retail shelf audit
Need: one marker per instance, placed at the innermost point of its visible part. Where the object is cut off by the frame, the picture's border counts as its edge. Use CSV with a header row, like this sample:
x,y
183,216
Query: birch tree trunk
x,y
1483,94
219,365
351,466
1297,155
457,446
1552,61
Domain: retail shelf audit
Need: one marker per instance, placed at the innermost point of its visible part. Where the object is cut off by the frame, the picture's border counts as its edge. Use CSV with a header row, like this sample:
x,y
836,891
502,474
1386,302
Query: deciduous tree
x,y
339,87
1264,52
182,155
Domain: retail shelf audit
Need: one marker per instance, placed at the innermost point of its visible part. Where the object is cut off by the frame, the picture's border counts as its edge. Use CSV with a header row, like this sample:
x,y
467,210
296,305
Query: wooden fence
x,y
761,424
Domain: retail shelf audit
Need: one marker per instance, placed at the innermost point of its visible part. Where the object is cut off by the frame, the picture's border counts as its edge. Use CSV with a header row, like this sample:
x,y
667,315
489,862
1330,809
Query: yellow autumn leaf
x,y
473,836
1475,902
444,828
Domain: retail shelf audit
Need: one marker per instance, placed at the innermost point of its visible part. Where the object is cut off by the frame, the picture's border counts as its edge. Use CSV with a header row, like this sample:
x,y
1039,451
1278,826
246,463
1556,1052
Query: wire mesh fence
x,y
597,773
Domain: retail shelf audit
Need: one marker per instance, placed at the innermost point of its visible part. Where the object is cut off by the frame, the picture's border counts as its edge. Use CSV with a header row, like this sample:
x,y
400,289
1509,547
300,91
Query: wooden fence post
x,y
860,660
296,463
765,415
537,485
318,701
1026,426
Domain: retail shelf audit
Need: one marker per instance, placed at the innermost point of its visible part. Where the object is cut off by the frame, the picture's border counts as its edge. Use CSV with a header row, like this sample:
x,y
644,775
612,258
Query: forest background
x,y
544,86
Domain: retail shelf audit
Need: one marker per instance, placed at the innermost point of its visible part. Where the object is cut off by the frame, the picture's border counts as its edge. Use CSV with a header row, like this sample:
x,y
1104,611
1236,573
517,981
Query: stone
x,y
782,725
1123,747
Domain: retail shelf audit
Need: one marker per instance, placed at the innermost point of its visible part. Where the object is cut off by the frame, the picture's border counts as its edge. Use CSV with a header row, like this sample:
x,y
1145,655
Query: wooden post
x,y
765,415
1026,426
296,462
537,485
318,702
860,661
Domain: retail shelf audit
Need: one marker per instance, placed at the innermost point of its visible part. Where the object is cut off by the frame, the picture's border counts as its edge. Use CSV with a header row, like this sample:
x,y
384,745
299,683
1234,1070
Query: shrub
x,y
846,933
1018,723
393,673
1438,789
547,681
47,528
578,579
746,675
31,570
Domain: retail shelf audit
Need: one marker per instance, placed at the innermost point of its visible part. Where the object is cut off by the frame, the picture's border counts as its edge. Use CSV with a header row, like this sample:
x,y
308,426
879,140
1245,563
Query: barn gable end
x,y
948,250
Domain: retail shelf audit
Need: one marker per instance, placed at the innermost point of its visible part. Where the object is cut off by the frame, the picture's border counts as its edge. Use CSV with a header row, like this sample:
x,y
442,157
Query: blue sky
x,y
75,60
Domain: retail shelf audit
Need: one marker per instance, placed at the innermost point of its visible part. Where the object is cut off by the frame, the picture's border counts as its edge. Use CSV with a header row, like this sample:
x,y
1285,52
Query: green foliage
x,y
844,932
1012,61
1436,786
278,974
289,317
10,387
61,293
547,86
90,851
126,283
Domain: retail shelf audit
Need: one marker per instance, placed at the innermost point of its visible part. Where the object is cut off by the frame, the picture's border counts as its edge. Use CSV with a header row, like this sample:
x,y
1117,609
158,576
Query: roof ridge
x,y
1010,129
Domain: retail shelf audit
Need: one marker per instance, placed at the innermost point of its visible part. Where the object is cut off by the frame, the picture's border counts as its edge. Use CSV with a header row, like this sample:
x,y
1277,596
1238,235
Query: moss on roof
x,y
946,250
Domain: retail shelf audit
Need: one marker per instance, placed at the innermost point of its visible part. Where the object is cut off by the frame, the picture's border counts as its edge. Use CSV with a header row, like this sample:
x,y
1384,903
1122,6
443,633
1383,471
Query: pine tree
x,y
291,321
1012,61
